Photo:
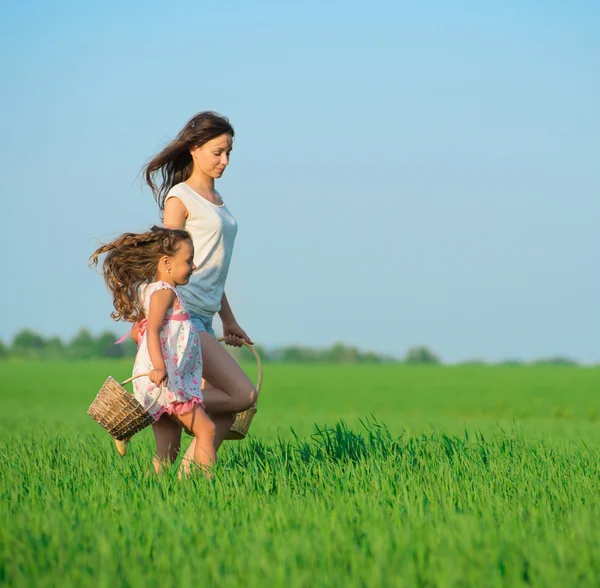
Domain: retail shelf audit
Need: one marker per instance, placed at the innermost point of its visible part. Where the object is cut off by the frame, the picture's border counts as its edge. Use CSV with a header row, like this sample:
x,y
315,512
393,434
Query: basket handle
x,y
133,378
141,376
258,361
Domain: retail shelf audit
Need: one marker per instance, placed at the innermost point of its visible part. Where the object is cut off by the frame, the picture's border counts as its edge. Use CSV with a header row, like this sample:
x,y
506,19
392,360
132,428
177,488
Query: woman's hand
x,y
234,335
135,332
159,376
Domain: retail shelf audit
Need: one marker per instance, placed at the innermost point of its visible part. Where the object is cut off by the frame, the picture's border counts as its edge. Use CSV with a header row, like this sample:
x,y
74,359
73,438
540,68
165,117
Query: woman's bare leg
x,y
223,422
231,391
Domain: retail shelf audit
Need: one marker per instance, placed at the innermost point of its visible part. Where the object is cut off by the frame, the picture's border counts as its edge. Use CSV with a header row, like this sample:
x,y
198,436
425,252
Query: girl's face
x,y
213,157
181,265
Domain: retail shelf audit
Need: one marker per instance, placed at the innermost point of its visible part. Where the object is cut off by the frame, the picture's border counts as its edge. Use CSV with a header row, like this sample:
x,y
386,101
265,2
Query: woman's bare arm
x,y
175,214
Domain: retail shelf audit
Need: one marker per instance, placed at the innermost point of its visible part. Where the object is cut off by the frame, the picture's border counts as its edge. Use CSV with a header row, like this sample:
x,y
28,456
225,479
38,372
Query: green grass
x,y
481,477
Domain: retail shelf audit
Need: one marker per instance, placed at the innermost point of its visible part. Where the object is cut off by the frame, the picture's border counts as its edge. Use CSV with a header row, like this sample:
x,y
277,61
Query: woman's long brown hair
x,y
174,163
131,261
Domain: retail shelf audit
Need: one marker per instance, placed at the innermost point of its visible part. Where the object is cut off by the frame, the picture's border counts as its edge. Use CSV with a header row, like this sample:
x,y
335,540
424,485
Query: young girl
x,y
141,272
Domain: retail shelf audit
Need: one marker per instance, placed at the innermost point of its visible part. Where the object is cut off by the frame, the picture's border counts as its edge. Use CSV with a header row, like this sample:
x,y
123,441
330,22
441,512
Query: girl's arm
x,y
232,332
160,302
174,218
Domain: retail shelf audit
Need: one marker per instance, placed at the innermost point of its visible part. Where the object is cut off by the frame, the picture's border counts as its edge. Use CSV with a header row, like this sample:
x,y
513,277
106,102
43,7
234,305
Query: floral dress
x,y
180,344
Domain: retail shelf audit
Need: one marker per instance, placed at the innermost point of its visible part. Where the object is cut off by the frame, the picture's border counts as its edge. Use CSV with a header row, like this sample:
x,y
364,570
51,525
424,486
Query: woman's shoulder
x,y
178,188
181,191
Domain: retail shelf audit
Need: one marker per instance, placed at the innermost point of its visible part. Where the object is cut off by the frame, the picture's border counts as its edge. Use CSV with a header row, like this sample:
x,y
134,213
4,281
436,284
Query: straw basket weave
x,y
123,416
118,411
240,427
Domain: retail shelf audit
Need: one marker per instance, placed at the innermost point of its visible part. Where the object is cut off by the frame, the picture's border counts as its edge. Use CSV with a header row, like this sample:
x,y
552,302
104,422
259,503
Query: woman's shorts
x,y
203,324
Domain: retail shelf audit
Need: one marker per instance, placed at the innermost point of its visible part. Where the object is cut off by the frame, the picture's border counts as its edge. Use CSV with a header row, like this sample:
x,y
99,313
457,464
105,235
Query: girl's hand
x,y
234,335
159,376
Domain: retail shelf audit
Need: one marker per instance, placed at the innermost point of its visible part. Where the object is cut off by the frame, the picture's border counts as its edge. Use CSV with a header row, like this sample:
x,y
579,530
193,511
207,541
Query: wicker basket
x,y
240,427
118,411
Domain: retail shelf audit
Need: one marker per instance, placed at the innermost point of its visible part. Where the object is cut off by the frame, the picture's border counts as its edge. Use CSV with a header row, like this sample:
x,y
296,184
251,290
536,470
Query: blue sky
x,y
403,173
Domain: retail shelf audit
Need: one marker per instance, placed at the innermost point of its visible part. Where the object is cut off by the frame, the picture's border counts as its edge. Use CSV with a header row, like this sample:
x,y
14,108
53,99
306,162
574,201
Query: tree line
x,y
84,345
28,344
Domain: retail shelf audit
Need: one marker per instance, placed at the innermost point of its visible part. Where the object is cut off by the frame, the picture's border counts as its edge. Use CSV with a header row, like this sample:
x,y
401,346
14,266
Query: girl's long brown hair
x,y
131,261
174,163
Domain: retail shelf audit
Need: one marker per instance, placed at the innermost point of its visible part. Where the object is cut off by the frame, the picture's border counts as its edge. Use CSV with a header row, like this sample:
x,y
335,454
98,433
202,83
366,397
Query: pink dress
x,y
182,354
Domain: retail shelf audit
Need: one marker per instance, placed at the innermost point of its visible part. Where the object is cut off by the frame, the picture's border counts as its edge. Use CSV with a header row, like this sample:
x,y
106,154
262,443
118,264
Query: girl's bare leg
x,y
167,434
202,447
230,391
222,424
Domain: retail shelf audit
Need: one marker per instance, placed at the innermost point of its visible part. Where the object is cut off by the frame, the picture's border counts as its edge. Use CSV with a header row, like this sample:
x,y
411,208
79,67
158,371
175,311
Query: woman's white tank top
x,y
213,230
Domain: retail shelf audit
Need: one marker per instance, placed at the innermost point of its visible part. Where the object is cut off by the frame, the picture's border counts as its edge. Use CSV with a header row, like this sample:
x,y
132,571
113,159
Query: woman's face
x,y
213,157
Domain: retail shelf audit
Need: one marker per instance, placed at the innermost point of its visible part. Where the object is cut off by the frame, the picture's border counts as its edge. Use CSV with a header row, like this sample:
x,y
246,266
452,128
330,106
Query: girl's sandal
x,y
121,447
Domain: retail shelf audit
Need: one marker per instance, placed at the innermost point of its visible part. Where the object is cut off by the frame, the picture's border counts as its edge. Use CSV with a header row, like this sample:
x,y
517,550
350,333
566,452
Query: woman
x,y
182,178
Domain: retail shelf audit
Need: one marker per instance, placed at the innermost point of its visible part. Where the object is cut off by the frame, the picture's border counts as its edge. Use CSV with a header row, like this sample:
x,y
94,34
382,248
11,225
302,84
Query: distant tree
x,y
3,350
296,354
337,353
129,347
372,357
54,348
244,354
83,345
558,360
511,362
340,353
421,355
473,362
106,346
27,343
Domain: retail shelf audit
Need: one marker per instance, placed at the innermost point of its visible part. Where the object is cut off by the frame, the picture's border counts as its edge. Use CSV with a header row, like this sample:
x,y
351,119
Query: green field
x,y
355,475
